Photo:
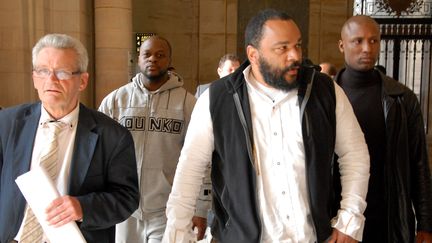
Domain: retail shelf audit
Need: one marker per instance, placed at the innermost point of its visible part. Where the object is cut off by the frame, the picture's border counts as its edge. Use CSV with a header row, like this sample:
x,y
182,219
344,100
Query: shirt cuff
x,y
172,235
349,224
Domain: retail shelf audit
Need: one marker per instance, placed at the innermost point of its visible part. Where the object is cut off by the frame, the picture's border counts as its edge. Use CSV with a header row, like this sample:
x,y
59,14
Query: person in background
x,y
156,109
328,69
399,199
94,167
227,65
270,130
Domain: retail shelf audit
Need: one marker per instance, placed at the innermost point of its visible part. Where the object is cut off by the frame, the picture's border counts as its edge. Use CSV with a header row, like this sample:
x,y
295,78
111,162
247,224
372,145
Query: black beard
x,y
276,77
157,77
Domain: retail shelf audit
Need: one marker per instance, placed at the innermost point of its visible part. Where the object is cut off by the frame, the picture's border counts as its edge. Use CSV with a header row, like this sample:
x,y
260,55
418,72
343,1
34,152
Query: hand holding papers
x,y
39,191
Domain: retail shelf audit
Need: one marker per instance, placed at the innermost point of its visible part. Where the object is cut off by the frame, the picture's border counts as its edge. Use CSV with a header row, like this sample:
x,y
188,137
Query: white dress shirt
x,y
282,189
66,141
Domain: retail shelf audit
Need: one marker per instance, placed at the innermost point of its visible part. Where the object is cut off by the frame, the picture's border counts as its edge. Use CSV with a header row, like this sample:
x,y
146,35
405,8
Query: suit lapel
x,y
85,144
24,136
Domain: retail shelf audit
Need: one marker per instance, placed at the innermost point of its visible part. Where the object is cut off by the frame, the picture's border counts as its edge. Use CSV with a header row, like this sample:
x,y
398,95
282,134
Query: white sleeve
x,y
193,162
353,166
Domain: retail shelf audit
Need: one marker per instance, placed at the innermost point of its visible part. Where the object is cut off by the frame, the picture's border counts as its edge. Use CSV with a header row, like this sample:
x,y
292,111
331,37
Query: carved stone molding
x,y
394,8
399,6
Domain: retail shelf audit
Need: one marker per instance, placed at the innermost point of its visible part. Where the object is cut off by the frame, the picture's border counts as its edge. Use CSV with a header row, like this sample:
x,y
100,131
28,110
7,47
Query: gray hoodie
x,y
158,121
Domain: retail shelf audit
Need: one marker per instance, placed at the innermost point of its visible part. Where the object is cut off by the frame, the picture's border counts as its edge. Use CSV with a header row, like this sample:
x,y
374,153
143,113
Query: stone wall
x,y
200,32
325,22
22,23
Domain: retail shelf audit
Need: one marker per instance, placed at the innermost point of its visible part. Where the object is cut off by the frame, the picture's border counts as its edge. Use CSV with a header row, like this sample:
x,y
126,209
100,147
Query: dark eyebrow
x,y
286,42
156,52
281,43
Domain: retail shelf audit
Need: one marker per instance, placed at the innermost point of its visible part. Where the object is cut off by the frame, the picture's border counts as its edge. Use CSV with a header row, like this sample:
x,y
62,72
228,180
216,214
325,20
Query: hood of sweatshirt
x,y
174,81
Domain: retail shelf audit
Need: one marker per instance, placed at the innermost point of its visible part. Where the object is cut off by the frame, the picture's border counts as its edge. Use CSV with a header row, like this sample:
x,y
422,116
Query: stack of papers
x,y
39,191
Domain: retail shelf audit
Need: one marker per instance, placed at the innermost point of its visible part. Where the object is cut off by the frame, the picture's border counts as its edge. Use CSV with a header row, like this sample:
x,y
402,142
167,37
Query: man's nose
x,y
367,47
52,76
152,58
294,55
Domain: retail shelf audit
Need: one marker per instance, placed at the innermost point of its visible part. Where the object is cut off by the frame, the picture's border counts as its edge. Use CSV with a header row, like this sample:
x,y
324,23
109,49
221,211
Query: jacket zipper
x,y
250,149
147,115
304,114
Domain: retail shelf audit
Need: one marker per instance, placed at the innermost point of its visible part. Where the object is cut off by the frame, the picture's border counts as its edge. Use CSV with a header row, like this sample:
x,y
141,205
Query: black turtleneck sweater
x,y
364,92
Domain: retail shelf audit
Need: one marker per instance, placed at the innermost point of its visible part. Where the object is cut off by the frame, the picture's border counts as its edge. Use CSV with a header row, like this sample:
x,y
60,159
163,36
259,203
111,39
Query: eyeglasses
x,y
60,74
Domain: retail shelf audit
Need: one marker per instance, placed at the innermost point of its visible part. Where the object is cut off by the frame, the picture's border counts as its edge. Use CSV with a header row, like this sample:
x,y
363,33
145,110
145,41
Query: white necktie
x,y
32,231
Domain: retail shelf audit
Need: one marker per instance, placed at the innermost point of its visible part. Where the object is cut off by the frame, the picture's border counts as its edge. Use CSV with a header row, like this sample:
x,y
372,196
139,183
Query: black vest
x,y
233,174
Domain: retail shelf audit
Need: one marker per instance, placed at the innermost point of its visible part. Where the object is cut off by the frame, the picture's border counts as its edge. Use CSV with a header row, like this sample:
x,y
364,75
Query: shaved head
x,y
360,42
358,20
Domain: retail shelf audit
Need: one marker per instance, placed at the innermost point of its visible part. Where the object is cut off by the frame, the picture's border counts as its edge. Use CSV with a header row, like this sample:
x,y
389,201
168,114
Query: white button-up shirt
x,y
282,189
281,183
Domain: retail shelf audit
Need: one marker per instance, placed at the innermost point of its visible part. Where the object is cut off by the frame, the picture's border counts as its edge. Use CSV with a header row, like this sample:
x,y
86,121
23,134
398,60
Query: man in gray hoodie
x,y
156,109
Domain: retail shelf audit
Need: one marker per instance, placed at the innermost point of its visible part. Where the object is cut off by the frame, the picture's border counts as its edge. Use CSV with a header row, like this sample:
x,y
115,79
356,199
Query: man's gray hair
x,y
62,41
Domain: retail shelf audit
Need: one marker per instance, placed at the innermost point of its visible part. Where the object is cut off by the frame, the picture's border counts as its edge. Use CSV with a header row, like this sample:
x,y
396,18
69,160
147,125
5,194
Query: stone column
x,y
113,42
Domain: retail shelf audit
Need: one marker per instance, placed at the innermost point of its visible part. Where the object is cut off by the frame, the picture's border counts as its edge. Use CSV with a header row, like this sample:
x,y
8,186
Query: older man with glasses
x,y
91,157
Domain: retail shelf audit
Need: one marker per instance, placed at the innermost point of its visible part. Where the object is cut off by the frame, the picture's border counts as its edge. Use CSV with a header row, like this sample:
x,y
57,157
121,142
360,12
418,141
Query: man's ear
x,y
341,46
252,54
84,78
170,59
219,70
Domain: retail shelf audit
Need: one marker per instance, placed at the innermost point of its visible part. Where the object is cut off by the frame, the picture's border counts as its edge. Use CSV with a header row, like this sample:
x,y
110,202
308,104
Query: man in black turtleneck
x,y
390,117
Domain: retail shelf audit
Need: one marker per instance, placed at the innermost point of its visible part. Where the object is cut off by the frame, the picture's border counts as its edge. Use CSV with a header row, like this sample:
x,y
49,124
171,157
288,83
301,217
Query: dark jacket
x,y
407,178
233,174
102,176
